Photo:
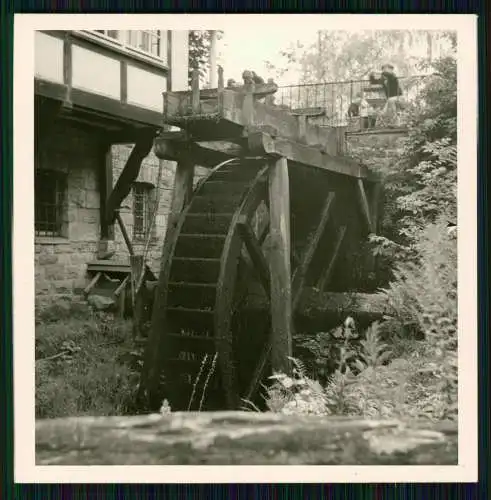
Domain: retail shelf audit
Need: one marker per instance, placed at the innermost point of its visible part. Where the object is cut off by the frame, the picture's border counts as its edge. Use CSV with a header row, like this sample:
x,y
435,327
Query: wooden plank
x,y
130,172
302,269
365,208
126,237
262,143
325,277
254,249
279,265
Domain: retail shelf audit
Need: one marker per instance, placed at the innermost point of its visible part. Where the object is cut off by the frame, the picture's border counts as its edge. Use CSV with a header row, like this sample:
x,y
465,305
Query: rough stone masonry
x,y
61,262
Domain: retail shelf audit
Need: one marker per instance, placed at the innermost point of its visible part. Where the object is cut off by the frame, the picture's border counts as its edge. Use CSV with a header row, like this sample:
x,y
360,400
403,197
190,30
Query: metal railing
x,y
335,98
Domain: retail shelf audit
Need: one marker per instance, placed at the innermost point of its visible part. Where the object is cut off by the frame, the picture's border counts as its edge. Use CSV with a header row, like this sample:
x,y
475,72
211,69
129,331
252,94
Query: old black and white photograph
x,y
245,243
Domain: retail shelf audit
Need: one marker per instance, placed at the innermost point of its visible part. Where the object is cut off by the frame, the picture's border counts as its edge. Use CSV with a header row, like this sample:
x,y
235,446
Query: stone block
x,y
54,272
72,273
45,247
93,199
77,196
64,286
44,259
62,248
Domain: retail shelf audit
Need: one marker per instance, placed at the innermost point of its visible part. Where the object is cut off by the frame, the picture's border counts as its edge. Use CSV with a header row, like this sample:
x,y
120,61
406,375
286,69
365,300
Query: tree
x,y
343,55
199,53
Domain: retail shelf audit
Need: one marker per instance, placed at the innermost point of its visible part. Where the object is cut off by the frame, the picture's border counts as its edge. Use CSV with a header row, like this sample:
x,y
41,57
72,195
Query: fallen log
x,y
243,438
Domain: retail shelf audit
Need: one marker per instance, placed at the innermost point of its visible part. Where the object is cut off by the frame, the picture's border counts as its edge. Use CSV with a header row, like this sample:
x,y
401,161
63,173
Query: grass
x,y
85,365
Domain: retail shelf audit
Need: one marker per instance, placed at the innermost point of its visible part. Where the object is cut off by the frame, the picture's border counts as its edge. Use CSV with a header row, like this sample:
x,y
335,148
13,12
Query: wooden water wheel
x,y
283,177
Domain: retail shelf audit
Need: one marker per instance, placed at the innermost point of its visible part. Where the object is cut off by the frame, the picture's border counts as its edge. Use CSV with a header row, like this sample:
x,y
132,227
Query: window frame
x,y
147,196
55,179
122,42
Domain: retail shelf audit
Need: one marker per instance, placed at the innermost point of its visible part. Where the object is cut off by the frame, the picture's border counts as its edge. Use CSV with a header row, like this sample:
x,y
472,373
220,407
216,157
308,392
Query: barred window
x,y
142,208
50,203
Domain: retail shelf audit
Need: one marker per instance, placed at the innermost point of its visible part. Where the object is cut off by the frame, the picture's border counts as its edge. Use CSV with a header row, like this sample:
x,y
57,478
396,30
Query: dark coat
x,y
390,83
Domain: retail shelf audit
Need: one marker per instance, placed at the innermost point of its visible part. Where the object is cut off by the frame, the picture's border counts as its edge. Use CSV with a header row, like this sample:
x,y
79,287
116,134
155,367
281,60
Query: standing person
x,y
392,89
360,107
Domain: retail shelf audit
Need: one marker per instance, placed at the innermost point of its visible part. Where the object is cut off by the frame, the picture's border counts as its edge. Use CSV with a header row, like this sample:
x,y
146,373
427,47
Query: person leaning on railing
x,y
392,89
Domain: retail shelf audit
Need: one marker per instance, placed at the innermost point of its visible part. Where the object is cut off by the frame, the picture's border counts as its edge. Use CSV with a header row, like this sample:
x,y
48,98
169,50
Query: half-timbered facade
x,y
97,94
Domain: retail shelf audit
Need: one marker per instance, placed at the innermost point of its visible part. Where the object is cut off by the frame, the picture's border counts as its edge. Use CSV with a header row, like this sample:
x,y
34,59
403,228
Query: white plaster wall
x,y
48,57
145,88
96,73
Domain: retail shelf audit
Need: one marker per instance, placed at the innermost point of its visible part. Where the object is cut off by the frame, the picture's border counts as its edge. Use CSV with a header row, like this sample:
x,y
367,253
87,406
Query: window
x,y
114,34
142,209
49,201
148,42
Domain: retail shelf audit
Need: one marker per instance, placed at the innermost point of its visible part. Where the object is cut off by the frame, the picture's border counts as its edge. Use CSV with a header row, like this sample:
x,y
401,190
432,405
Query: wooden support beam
x,y
302,127
137,267
195,105
260,366
261,143
248,107
128,175
317,304
126,236
221,86
376,192
301,271
326,276
365,208
105,188
92,284
122,285
309,112
254,249
297,289
374,199
279,265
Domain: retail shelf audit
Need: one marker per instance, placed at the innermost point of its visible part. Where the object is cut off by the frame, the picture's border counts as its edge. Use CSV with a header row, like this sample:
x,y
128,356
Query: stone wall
x,y
61,262
376,148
